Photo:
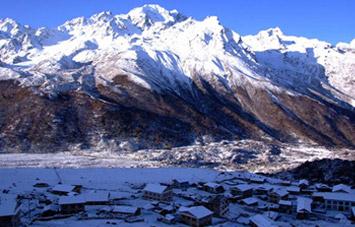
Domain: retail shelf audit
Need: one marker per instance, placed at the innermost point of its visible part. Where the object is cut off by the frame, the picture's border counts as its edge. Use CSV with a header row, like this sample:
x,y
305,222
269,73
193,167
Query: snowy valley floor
x,y
247,155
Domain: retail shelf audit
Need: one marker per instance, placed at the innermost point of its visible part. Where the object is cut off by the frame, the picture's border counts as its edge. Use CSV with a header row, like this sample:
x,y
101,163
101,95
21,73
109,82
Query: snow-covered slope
x,y
313,61
168,65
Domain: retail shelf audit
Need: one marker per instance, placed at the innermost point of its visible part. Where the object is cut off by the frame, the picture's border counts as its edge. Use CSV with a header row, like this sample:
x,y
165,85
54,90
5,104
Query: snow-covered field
x,y
98,178
127,183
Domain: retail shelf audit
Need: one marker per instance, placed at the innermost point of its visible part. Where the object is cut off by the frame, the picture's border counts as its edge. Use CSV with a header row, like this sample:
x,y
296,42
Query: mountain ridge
x,y
157,78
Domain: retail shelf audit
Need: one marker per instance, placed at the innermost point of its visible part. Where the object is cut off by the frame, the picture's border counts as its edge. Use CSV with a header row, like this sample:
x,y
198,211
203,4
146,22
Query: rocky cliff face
x,y
154,78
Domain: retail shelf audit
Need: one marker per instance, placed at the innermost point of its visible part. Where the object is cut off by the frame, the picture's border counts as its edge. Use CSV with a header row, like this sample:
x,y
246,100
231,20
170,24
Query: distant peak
x,y
7,24
102,16
147,15
212,19
149,9
153,6
273,31
71,24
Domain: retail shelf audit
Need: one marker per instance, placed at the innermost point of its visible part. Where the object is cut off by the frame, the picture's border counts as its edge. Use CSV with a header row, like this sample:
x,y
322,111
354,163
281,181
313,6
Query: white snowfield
x,y
99,178
162,50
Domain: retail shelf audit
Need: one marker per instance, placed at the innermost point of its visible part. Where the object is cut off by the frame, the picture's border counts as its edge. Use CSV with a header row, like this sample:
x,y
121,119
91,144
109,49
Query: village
x,y
230,199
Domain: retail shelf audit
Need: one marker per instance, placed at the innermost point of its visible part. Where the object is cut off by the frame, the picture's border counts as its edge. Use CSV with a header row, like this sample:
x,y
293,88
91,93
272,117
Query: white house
x,y
285,206
157,192
8,210
277,194
243,190
213,187
196,216
97,198
304,207
71,204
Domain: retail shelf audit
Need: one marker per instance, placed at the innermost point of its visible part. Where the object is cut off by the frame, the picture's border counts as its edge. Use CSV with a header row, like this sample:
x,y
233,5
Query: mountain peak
x,y
213,20
11,26
103,16
149,14
276,31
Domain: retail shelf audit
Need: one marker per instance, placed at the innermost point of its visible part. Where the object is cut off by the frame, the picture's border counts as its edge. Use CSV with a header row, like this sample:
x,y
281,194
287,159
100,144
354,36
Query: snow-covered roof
x,y
8,205
183,209
257,178
169,217
250,200
280,192
261,221
66,200
167,208
63,188
293,189
119,195
285,202
212,185
243,187
51,207
320,185
340,216
266,187
341,188
197,211
125,209
304,204
272,214
99,196
303,182
155,188
340,196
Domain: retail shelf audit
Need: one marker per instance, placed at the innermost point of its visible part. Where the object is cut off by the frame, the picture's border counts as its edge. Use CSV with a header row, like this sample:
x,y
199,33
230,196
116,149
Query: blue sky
x,y
329,20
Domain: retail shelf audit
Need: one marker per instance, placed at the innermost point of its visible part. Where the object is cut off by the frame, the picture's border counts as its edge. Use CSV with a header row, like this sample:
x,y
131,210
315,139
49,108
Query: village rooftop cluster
x,y
233,199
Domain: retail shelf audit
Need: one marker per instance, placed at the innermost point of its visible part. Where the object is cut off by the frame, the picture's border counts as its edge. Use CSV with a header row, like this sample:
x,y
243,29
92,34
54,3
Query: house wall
x,y
219,208
72,208
246,193
166,196
9,221
192,221
275,198
285,209
302,215
338,205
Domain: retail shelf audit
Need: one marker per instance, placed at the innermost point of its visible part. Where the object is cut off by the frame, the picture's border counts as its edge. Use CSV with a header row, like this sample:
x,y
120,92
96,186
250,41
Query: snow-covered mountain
x,y
156,78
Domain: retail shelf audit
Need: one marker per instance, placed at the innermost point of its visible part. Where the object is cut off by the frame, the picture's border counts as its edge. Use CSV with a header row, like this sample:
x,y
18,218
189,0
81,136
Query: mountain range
x,y
154,78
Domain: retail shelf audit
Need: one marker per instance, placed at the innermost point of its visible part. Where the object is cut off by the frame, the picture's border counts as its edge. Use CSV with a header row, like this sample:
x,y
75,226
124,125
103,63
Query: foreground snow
x,y
127,184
